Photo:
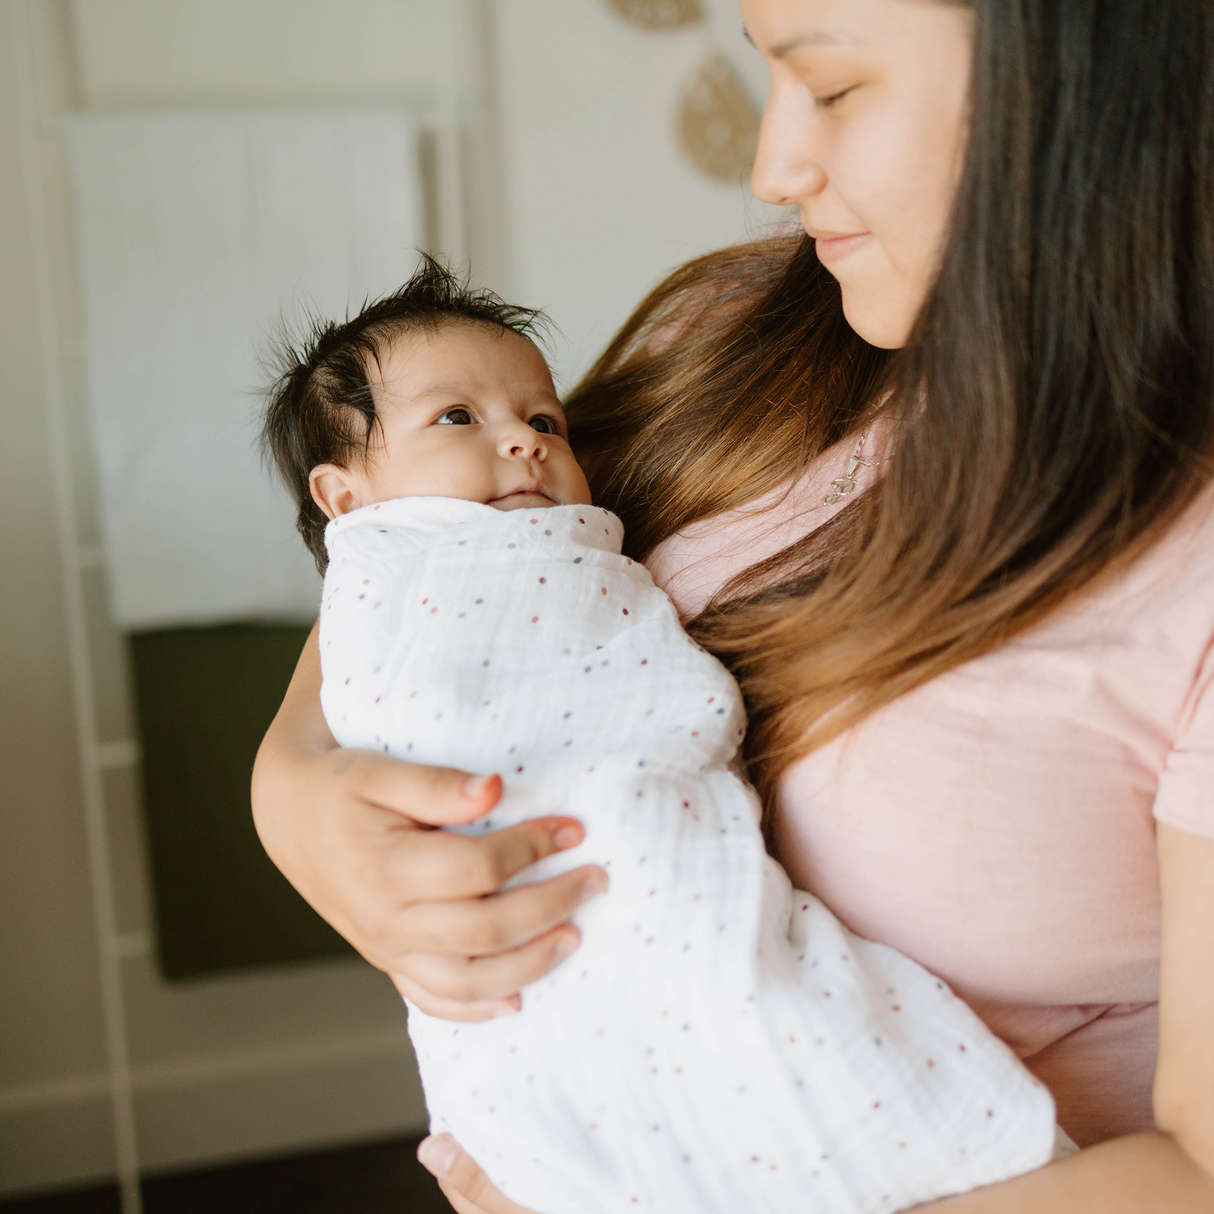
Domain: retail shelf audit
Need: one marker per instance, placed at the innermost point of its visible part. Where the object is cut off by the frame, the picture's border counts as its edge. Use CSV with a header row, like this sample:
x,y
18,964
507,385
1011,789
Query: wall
x,y
577,202
599,203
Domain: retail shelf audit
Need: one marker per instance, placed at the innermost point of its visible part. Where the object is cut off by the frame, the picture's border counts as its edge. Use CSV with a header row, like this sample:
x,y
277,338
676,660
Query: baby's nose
x,y
524,442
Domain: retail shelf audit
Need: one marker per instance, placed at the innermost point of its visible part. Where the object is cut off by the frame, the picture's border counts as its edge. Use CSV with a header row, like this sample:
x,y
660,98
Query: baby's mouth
x,y
521,499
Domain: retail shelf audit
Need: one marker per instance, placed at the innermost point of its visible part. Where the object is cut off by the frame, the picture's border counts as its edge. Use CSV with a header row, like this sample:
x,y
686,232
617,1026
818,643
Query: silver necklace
x,y
846,484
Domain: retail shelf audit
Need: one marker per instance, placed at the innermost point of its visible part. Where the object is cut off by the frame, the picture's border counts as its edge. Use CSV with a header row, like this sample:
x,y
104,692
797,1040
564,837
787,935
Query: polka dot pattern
x,y
719,1042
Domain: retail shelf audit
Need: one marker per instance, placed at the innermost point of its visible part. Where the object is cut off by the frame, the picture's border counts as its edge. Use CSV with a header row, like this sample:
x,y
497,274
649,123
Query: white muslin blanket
x,y
720,1042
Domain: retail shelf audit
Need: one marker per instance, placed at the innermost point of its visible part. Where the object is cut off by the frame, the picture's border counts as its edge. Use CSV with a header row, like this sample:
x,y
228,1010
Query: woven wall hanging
x,y
658,14
716,125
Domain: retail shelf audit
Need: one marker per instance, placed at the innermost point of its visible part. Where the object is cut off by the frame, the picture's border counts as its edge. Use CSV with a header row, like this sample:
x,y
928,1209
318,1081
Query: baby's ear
x,y
334,489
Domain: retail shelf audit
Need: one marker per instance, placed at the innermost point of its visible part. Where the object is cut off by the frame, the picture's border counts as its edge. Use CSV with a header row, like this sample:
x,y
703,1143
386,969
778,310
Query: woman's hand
x,y
464,1185
353,831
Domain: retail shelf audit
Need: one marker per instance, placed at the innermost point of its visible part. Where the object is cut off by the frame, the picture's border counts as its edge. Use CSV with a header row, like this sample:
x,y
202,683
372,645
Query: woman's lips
x,y
834,248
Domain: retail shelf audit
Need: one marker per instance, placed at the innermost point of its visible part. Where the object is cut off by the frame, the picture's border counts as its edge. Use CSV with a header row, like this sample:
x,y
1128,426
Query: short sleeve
x,y
1186,786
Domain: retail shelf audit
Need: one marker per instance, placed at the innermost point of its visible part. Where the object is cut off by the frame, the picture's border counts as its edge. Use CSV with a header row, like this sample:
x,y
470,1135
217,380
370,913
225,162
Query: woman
x,y
979,695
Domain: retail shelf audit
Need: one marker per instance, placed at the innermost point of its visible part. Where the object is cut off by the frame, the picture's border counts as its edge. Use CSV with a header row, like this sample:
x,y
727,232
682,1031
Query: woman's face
x,y
864,133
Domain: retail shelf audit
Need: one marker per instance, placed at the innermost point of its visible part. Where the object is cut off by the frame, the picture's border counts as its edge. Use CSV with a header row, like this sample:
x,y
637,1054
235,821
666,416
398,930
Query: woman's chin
x,y
878,318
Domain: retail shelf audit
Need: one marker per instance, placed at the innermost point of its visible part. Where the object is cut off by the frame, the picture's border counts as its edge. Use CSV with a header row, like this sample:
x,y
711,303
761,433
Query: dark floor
x,y
382,1176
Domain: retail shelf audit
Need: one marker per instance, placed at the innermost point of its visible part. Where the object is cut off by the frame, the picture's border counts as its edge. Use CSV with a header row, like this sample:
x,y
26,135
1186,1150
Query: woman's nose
x,y
786,171
521,441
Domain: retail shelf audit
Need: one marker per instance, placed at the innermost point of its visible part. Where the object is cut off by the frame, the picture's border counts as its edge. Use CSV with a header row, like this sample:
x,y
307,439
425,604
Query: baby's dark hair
x,y
320,406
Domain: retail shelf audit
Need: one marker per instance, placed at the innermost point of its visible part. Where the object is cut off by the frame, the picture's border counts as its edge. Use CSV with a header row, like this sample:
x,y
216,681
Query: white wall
x,y
599,202
578,201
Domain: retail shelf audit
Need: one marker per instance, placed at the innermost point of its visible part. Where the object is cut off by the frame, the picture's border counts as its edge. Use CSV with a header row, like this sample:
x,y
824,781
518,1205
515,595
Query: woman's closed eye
x,y
458,416
825,103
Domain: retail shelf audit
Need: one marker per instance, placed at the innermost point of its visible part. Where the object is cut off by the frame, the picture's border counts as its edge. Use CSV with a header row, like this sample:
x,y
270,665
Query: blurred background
x,y
180,176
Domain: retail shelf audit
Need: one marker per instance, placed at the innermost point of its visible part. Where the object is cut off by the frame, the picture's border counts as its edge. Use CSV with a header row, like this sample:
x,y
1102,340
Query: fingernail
x,y
475,785
437,1153
565,947
593,886
507,1009
567,836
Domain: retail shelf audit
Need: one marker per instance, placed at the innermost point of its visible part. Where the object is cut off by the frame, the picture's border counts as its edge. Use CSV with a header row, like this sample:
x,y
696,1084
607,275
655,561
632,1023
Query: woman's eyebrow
x,y
814,37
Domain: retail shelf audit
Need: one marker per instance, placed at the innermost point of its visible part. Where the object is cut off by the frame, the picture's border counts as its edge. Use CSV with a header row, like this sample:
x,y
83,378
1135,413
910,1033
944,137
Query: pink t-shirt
x,y
998,823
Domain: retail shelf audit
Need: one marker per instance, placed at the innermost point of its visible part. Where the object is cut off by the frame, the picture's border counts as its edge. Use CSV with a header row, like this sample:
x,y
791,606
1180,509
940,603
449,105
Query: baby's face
x,y
465,411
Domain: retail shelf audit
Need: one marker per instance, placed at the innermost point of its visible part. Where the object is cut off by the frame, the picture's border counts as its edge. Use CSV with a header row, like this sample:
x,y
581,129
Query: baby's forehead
x,y
458,351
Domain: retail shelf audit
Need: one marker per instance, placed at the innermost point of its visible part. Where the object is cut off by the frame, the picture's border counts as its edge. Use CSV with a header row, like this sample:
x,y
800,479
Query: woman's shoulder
x,y
1170,584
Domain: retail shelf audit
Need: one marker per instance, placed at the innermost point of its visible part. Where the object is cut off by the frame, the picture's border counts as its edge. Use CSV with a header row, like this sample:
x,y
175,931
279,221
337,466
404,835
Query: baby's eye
x,y
456,417
544,424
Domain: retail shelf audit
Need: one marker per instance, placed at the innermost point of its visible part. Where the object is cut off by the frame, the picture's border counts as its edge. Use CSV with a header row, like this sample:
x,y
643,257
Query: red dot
x,y
604,590
644,661
582,520
543,580
625,610
519,768
534,521
535,619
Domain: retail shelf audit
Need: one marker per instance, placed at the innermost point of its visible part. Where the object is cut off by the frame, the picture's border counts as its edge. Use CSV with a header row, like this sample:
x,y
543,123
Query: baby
x,y
720,1042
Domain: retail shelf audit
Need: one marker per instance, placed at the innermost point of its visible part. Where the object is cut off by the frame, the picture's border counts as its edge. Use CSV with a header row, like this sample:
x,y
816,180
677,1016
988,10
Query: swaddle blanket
x,y
719,1042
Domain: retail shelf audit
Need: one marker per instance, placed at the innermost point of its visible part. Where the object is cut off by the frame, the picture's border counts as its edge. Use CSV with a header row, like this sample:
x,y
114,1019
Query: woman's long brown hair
x,y
1060,380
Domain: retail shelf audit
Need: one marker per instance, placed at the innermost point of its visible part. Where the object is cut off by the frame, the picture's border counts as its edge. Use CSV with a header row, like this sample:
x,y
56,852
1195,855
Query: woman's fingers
x,y
441,865
436,796
484,926
463,1183
449,1009
475,979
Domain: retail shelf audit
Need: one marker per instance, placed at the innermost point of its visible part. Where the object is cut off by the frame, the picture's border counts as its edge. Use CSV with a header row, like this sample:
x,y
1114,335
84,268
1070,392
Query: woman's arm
x,y
1169,1172
353,831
